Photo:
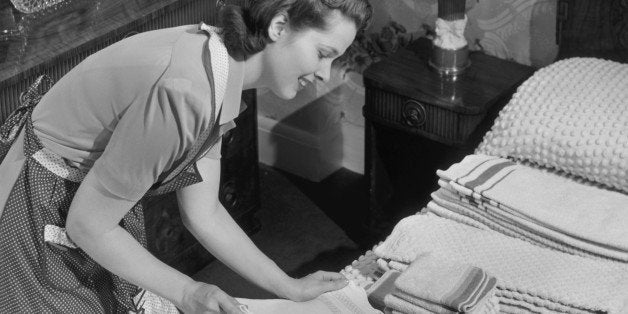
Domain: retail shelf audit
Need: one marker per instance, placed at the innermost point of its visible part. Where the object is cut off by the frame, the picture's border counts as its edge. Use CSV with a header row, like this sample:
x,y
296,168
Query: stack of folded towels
x,y
494,239
529,278
534,205
514,222
551,228
433,285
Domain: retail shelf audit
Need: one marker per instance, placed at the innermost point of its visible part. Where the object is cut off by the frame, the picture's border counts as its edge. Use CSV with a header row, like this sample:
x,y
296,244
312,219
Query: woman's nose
x,y
324,73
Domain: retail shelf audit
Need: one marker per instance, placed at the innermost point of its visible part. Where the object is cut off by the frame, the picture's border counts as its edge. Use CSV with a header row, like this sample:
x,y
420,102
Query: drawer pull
x,y
413,113
229,196
229,137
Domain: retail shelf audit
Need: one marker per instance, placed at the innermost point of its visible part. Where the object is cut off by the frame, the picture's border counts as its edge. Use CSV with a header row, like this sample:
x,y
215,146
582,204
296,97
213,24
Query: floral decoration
x,y
368,48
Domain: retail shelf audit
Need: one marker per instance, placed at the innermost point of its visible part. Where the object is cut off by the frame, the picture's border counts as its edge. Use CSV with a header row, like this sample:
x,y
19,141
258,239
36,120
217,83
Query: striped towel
x,y
415,306
544,278
505,301
449,205
454,286
382,296
430,285
396,304
550,205
382,287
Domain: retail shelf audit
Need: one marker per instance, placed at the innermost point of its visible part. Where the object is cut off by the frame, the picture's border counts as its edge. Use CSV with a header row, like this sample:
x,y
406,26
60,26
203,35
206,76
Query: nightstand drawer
x,y
239,188
419,117
244,135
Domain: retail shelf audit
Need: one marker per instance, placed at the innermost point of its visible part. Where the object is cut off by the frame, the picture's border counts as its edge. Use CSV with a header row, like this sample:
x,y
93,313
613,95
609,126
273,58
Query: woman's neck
x,y
253,70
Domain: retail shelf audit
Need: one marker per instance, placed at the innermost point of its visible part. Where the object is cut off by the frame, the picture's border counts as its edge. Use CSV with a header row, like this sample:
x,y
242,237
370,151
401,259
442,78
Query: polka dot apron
x,y
41,270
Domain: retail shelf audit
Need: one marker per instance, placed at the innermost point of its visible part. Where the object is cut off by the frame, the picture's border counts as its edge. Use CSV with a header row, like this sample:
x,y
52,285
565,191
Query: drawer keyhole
x,y
413,113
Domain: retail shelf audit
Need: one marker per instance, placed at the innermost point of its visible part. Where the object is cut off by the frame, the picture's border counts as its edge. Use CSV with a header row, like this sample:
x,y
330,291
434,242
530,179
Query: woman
x,y
143,117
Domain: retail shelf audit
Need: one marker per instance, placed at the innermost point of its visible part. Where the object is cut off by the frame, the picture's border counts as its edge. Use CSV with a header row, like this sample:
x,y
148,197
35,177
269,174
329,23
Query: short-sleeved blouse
x,y
131,111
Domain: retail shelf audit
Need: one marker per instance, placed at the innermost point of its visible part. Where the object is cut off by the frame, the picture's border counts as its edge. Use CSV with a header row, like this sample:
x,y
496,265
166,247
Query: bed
x,y
536,219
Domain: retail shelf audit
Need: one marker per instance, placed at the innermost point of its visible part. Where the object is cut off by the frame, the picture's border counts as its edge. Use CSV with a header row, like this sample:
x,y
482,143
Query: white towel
x,y
488,216
513,302
549,279
416,307
348,300
588,213
455,286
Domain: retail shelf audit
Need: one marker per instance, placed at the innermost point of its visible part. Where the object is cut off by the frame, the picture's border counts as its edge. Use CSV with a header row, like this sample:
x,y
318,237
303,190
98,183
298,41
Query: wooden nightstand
x,y
418,122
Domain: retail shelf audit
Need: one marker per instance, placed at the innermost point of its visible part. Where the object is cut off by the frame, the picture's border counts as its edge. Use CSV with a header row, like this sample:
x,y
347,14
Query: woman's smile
x,y
302,83
298,57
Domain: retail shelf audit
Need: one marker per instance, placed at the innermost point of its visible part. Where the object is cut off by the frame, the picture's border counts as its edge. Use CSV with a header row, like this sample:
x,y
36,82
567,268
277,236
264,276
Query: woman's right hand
x,y
199,297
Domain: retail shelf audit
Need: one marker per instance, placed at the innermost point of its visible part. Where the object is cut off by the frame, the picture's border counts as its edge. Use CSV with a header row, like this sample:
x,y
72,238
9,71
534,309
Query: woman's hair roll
x,y
245,27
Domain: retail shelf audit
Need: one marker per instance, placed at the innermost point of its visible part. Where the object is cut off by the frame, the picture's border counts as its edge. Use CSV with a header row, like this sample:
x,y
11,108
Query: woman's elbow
x,y
78,231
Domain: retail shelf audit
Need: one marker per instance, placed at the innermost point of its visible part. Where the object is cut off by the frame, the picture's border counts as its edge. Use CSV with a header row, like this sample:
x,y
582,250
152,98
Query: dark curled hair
x,y
245,28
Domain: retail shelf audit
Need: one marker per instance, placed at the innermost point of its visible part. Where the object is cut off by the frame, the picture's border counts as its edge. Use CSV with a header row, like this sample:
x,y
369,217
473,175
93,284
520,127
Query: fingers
x,y
330,281
228,304
326,275
315,284
328,286
338,283
207,298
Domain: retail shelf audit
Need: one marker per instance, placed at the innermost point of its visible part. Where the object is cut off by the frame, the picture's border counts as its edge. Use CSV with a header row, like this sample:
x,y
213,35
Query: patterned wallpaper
x,y
519,30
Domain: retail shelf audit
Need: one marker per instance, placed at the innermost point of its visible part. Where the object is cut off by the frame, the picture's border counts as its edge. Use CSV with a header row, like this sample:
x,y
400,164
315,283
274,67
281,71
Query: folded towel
x,y
350,299
547,278
507,301
384,290
588,213
465,217
382,287
455,286
485,216
398,304
518,307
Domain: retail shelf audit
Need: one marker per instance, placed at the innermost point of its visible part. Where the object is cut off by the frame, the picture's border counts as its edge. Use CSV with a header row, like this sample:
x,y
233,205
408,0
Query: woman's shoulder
x,y
187,57
151,48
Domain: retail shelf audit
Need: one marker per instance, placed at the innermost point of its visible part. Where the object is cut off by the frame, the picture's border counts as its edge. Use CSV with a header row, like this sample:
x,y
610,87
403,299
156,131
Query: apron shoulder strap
x,y
216,63
11,127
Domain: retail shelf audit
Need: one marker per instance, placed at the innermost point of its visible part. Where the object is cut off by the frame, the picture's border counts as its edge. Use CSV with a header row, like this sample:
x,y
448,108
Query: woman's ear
x,y
278,26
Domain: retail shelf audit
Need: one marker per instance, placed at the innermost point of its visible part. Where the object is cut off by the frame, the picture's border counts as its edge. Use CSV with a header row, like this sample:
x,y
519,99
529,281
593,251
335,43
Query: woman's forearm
x,y
216,230
222,236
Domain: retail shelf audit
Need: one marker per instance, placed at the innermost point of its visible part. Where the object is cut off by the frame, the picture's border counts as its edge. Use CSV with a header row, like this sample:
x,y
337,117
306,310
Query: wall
x,y
519,30
326,120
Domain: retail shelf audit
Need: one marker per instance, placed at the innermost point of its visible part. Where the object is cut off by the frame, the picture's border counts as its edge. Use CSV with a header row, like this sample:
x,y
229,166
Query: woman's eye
x,y
320,55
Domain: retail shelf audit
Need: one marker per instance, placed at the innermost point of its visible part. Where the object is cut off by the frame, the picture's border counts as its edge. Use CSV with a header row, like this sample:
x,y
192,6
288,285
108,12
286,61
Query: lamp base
x,y
449,62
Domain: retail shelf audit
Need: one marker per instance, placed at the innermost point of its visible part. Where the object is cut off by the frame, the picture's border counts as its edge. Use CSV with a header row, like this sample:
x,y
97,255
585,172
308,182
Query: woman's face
x,y
296,59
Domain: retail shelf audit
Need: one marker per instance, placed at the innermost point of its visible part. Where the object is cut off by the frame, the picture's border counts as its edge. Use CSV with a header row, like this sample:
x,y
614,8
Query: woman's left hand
x,y
313,285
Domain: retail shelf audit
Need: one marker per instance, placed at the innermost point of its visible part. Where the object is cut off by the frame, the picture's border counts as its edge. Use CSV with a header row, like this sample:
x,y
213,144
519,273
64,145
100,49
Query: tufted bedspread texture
x,y
570,116
544,278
